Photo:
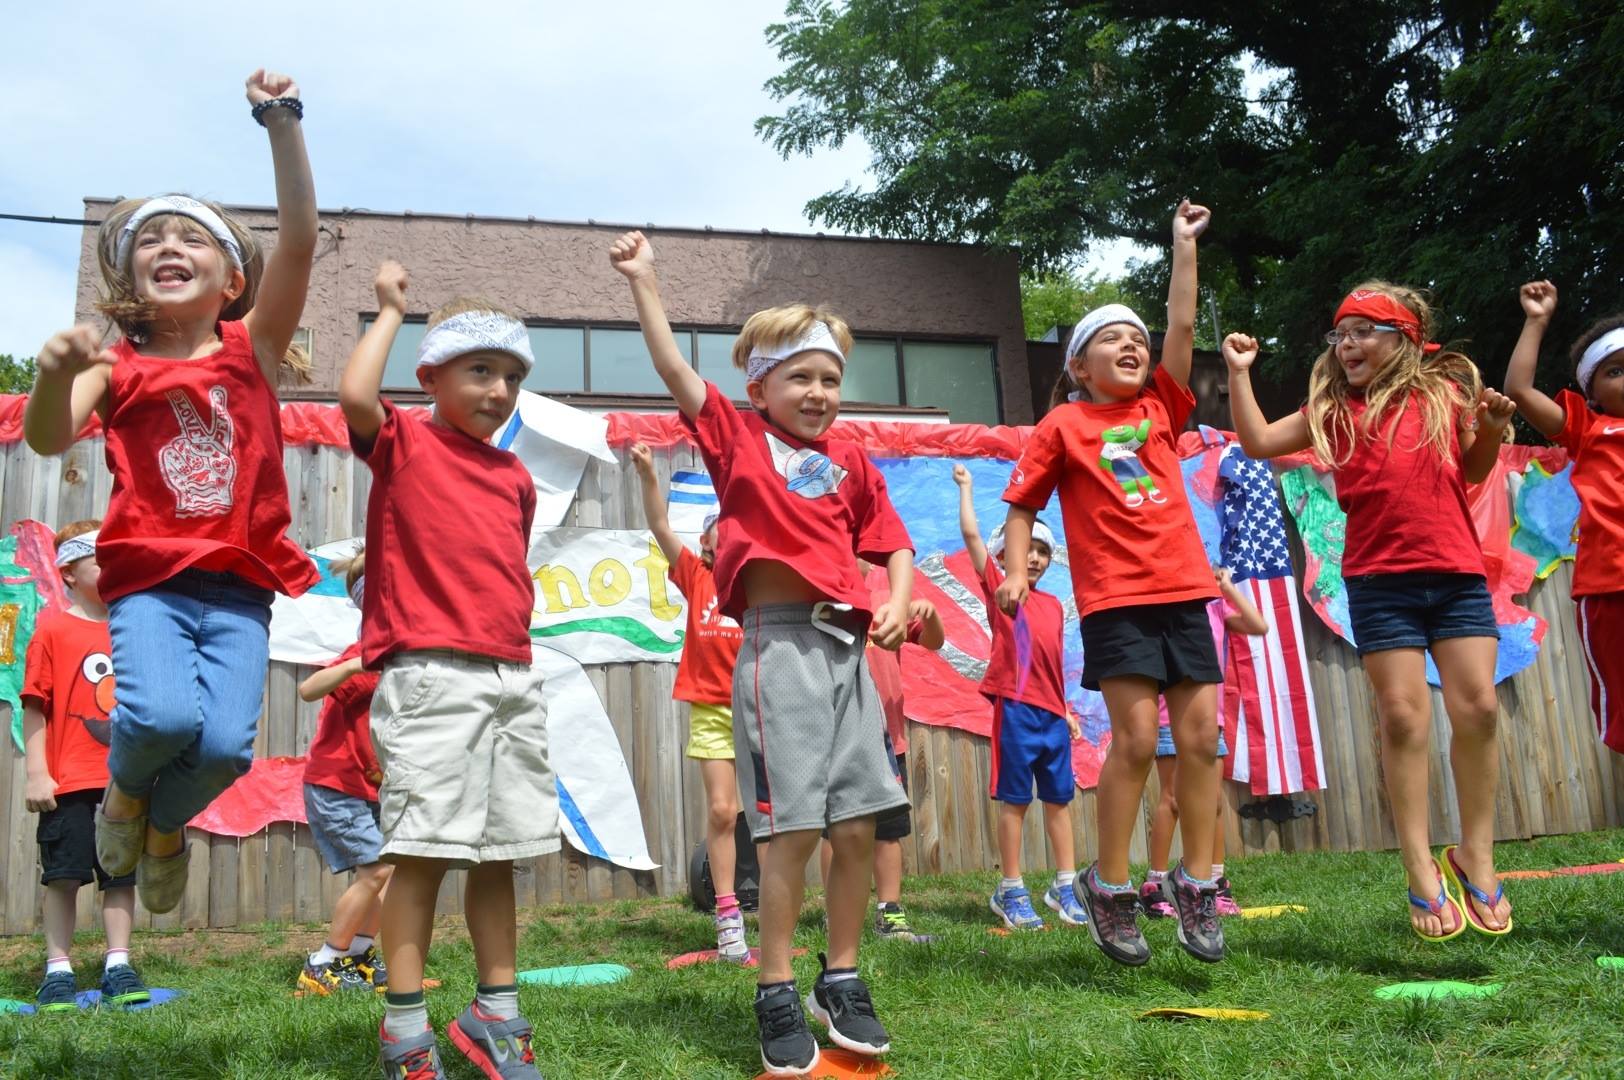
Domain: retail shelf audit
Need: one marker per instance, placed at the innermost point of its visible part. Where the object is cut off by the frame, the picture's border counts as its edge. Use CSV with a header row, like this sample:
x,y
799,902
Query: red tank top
x,y
195,449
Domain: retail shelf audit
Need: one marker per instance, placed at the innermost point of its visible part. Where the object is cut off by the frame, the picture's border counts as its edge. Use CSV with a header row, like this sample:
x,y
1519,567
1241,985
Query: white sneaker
x,y
730,943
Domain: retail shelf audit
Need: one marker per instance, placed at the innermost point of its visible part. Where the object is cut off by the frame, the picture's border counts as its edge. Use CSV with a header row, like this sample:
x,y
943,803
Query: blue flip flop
x,y
1436,907
1459,879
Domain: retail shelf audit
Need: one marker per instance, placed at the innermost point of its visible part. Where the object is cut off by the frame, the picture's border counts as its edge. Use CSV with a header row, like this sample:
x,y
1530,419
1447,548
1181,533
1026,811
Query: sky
x,y
628,112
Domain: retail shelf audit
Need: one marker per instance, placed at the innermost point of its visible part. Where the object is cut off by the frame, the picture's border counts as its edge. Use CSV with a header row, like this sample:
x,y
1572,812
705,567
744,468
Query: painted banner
x,y
603,597
1547,514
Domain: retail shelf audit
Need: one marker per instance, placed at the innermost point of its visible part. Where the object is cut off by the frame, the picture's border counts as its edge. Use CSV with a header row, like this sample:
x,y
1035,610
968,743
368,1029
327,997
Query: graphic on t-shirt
x,y
712,619
197,464
809,474
1119,456
97,671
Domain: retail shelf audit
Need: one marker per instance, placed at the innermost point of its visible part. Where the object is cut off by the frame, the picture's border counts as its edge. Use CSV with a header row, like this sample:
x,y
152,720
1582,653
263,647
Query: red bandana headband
x,y
1379,307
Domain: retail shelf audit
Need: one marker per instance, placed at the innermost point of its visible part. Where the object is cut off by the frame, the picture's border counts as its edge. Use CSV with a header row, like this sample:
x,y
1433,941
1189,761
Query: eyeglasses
x,y
1358,334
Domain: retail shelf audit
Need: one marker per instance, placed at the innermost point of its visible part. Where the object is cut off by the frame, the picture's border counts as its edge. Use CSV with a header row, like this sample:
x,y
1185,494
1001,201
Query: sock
x,y
501,1002
1107,886
325,955
889,905
727,904
1155,875
1064,877
359,944
1193,880
831,976
1217,870
1005,884
404,1015
54,964
763,989
118,958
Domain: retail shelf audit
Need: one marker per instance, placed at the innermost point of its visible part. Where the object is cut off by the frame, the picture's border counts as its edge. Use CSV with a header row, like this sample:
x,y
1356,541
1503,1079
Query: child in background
x,y
341,805
710,648
1032,726
1406,426
1142,583
1584,424
459,722
195,538
1231,613
67,699
796,508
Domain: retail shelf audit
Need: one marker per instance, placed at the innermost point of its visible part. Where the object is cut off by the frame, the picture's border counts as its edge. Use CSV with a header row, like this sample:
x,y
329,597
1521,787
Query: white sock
x,y
402,1021
1011,883
54,964
834,975
325,955
1155,875
1064,877
359,944
501,1002
117,958
1217,870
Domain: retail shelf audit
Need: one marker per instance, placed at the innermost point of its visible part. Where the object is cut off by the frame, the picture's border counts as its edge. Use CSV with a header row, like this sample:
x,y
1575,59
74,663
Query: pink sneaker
x,y
1152,902
1226,899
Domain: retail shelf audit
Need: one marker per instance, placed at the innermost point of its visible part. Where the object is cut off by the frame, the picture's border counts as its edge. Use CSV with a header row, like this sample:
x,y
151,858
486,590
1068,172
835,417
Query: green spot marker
x,y
1610,961
1442,988
575,975
9,1005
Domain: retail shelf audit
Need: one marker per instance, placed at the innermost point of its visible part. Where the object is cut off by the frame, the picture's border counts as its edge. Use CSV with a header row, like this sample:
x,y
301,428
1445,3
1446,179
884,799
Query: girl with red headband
x,y
1406,425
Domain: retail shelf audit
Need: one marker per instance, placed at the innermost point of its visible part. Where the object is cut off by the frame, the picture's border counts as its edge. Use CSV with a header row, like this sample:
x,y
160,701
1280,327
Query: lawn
x,y
967,1005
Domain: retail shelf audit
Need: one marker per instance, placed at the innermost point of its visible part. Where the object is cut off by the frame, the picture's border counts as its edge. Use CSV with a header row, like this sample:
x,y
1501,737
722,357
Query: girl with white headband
x,y
1590,426
195,539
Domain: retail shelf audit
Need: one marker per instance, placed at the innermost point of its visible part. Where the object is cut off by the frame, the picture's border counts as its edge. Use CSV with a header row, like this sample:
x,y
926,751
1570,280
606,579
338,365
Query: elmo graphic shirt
x,y
69,675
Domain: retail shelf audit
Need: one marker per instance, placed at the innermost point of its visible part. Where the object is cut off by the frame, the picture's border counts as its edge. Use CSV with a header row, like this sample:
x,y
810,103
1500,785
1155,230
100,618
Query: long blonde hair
x,y
1445,382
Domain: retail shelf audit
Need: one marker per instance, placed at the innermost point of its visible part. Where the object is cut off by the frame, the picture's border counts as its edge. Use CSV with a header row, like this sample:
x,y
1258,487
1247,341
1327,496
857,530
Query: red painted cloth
x,y
448,533
816,507
341,755
195,449
1026,666
1129,528
271,791
1595,441
710,646
69,676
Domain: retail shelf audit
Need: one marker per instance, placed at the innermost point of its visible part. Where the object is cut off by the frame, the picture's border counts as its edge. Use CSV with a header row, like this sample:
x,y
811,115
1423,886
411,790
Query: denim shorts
x,y
1164,741
1411,611
344,827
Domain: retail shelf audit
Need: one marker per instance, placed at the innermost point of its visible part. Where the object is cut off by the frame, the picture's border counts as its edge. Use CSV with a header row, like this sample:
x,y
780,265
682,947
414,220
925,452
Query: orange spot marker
x,y
708,956
837,1064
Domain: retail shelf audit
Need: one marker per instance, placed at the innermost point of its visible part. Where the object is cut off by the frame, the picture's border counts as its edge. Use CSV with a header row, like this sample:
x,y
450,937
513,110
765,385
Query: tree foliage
x,y
16,376
1459,145
1060,298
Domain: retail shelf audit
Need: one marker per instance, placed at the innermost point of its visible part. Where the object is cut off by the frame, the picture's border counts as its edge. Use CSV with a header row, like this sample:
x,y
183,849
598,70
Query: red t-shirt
x,y
69,674
448,533
1129,530
816,507
1406,505
1595,442
1041,681
341,755
195,449
710,647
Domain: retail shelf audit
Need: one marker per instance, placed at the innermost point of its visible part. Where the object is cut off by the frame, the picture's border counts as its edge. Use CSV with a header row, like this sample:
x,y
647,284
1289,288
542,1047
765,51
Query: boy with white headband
x,y
1590,426
796,508
67,698
458,719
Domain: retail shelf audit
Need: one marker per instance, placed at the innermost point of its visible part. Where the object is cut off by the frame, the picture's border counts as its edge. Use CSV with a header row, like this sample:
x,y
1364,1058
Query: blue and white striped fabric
x,y
691,501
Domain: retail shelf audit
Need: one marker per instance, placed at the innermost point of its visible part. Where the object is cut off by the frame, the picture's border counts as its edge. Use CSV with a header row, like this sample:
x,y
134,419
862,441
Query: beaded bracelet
x,y
266,106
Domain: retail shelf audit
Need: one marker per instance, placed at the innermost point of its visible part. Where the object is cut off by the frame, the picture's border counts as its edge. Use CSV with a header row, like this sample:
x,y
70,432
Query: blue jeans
x,y
1411,611
190,656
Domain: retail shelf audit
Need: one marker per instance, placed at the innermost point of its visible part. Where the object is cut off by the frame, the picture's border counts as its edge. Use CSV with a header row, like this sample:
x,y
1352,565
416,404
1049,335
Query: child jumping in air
x,y
710,648
195,539
1406,425
1590,426
1032,727
341,804
1142,584
458,719
67,698
796,508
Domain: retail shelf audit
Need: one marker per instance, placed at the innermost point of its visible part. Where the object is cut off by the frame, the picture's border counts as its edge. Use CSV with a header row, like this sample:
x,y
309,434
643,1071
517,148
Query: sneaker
x,y
890,921
1197,908
370,963
845,1008
730,943
119,844
1113,920
161,880
1062,900
58,993
1151,902
333,977
122,987
1226,899
413,1058
501,1048
787,1047
1014,906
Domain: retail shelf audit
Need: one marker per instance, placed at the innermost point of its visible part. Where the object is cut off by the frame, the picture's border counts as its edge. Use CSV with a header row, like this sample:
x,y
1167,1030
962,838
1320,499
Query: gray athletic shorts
x,y
808,719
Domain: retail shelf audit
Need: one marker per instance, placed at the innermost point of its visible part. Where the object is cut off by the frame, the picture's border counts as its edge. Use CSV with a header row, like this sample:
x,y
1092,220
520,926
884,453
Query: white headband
x,y
1097,320
1600,349
476,331
710,523
1041,534
75,548
186,207
817,339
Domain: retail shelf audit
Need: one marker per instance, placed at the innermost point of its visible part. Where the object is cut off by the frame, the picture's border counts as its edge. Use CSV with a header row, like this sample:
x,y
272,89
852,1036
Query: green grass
x,y
968,1005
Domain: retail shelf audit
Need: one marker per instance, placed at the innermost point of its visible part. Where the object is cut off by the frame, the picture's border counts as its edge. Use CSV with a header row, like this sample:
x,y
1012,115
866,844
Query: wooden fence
x,y
1555,776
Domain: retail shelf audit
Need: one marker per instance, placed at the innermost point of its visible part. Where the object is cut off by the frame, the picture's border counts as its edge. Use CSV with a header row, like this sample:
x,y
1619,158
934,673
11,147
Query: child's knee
x,y
722,811
1474,711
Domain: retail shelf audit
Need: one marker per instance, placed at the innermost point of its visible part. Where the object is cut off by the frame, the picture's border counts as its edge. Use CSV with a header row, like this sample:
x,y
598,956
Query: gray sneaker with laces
x,y
501,1048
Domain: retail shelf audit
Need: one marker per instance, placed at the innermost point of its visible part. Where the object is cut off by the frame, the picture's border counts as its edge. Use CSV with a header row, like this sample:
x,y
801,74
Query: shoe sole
x,y
140,997
473,1051
1054,906
312,986
791,1070
59,1007
822,1016
1009,923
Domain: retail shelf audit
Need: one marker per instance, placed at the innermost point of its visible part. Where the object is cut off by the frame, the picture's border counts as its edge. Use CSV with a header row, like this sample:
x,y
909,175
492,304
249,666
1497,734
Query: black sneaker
x,y
1113,920
58,993
845,1008
1197,908
121,986
787,1047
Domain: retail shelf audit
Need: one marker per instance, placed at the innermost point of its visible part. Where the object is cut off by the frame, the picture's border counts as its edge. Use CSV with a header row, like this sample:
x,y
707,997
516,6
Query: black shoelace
x,y
785,1017
851,996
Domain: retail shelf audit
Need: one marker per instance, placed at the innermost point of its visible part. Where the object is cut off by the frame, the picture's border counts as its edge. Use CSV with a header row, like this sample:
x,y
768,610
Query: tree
x,y
1461,145
16,376
1060,299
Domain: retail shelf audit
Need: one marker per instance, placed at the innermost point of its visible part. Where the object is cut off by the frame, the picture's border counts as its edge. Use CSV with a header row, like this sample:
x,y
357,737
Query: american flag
x,y
1269,719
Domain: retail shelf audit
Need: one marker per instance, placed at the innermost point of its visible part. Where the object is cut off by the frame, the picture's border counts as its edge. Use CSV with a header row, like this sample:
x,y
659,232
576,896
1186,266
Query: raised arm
x,y
328,679
969,528
1012,593
1258,437
659,522
634,257
1247,619
281,297
71,380
1480,443
1539,304
363,375
1178,345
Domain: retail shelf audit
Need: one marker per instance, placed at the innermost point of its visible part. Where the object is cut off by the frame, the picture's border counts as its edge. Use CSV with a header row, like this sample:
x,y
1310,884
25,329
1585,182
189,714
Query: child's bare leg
x,y
1057,824
359,910
850,877
1193,709
492,918
888,871
118,915
58,912
826,855
721,819
1011,816
1165,816
783,887
1466,668
1218,830
408,921
1131,702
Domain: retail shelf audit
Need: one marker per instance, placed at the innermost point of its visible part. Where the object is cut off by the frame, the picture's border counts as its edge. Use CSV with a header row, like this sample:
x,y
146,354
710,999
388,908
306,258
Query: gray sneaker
x,y
501,1048
161,881
413,1058
1197,907
119,843
1113,920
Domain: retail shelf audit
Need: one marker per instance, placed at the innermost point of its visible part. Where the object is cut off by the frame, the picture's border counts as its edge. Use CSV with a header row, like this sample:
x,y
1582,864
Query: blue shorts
x,y
1164,742
344,828
1030,745
1411,611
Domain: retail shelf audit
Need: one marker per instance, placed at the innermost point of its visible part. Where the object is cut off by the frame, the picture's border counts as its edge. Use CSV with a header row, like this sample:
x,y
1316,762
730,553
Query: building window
x,y
619,363
871,373
954,376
